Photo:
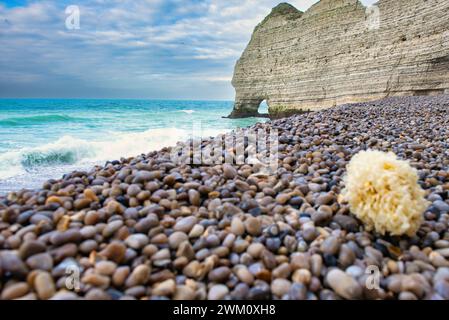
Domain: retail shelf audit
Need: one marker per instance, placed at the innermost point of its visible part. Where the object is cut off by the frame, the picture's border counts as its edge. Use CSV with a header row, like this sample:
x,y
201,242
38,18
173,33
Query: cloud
x,y
127,48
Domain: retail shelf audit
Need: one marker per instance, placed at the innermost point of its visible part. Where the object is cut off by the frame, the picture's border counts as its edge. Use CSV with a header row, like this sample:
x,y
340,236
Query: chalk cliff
x,y
339,52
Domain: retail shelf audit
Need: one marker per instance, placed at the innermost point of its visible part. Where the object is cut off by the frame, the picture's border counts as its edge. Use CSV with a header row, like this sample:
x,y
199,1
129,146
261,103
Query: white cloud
x,y
123,44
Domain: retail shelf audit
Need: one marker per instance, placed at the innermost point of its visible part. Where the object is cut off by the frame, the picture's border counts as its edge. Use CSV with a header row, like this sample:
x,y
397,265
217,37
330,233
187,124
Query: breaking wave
x,y
69,150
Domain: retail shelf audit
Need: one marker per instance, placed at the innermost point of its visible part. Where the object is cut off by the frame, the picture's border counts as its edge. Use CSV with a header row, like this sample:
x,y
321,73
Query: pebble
x,y
184,250
344,285
97,295
11,263
442,287
90,195
296,201
347,223
165,288
115,207
15,291
416,284
111,228
193,269
304,168
133,190
139,276
300,261
144,225
135,292
310,234
321,216
240,291
44,285
229,172
65,296
273,244
80,204
41,261
92,218
212,241
244,275
237,227
185,224
217,292
137,241
67,250
115,251
316,265
40,219
255,250
253,226
30,248
176,238
441,244
314,187
229,240
282,198
280,287
346,256
444,252
330,245
106,268
194,197
120,275
260,292
282,271
88,246
297,291
96,280
88,232
220,274
441,206
71,235
407,296
184,293
143,176
325,199
196,231
438,260
303,276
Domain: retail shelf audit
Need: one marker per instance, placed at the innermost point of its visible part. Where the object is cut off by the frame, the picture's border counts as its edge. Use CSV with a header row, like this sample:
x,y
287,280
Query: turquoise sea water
x,y
43,139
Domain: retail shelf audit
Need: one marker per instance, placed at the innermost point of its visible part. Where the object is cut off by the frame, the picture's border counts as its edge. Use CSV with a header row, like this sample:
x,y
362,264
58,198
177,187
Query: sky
x,y
137,49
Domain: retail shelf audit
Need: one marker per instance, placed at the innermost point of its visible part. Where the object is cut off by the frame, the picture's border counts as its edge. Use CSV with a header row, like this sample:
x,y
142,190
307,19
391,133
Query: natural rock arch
x,y
248,108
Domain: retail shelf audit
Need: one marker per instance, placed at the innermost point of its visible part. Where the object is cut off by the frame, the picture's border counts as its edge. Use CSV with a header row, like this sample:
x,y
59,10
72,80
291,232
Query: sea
x,y
43,139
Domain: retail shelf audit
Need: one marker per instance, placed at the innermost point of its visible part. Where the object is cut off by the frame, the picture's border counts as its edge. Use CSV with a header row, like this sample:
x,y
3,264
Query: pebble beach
x,y
146,228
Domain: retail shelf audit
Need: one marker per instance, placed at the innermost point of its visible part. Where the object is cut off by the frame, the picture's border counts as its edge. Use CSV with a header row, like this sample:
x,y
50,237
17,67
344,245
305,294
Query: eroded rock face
x,y
340,52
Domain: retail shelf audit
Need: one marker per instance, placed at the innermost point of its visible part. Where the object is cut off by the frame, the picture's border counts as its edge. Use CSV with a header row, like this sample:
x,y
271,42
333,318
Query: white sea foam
x,y
76,152
188,111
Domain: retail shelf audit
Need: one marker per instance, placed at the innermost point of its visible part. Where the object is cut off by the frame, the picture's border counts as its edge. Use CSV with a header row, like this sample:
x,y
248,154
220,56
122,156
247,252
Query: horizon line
x,y
153,99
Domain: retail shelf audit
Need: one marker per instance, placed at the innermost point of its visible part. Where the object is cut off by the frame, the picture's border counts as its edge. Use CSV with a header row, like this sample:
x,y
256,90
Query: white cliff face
x,y
339,52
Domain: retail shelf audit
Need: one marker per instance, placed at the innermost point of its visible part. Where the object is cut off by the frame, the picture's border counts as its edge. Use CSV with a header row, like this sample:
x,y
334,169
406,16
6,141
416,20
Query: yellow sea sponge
x,y
383,192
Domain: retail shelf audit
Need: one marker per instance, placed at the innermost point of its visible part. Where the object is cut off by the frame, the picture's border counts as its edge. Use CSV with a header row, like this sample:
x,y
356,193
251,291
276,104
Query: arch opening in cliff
x,y
263,107
250,108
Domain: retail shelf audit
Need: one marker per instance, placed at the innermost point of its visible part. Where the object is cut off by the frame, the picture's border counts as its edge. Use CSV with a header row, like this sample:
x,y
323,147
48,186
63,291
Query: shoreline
x,y
142,227
45,139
